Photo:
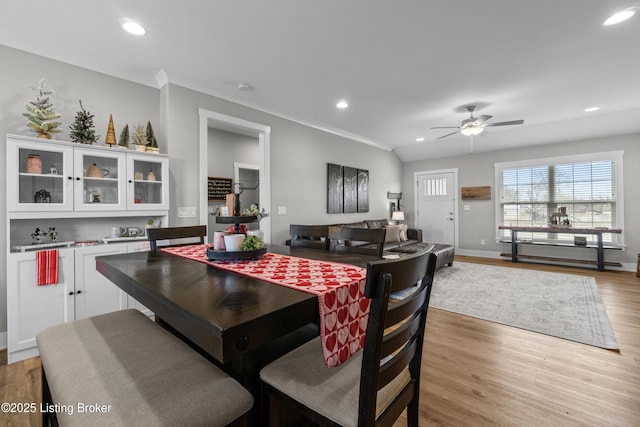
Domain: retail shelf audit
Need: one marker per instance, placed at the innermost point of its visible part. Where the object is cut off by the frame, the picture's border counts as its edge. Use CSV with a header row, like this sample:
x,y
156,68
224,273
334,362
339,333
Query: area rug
x,y
561,305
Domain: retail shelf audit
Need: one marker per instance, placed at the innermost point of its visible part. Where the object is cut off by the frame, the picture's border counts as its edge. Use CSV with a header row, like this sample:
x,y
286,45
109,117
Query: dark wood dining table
x,y
240,322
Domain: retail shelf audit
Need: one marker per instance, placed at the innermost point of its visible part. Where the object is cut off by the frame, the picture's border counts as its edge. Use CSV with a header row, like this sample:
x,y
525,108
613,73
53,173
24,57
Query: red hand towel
x,y
47,267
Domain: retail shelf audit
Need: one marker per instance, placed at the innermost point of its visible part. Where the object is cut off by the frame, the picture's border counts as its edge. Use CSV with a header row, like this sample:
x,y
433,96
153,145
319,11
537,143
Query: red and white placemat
x,y
344,309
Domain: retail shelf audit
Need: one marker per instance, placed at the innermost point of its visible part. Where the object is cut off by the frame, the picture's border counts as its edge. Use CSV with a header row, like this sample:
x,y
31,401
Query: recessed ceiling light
x,y
133,27
619,17
420,139
590,109
244,87
342,104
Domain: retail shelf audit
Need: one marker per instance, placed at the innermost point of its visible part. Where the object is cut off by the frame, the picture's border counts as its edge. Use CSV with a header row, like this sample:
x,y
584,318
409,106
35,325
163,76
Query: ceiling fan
x,y
475,125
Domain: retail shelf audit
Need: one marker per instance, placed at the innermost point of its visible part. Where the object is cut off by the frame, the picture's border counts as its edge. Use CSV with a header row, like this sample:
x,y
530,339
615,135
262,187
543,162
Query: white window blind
x,y
586,187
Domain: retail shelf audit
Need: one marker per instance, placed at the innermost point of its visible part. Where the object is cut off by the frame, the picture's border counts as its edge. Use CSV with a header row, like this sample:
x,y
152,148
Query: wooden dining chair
x,y
309,236
368,241
374,386
193,233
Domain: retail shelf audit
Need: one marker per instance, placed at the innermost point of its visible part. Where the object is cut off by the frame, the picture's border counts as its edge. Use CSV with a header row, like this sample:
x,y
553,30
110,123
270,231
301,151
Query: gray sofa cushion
x,y
376,223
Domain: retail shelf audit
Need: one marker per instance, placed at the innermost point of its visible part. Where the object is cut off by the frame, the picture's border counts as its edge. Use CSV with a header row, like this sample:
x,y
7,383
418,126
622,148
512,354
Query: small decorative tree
x,y
151,138
43,120
139,137
110,139
83,130
123,142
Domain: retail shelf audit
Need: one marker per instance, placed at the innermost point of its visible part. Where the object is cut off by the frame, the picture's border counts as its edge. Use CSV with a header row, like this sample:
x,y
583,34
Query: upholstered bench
x,y
122,369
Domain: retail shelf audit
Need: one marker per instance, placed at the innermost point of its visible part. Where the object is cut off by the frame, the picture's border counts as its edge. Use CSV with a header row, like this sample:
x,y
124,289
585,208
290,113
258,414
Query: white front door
x,y
435,203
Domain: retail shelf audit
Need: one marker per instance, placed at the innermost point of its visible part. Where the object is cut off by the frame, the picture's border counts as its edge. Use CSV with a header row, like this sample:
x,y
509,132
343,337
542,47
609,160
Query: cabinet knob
x,y
77,178
69,177
78,292
130,181
71,293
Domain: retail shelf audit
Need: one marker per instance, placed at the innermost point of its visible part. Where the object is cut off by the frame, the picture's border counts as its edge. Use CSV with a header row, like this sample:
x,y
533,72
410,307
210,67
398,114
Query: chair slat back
x,y
194,233
368,241
309,236
395,334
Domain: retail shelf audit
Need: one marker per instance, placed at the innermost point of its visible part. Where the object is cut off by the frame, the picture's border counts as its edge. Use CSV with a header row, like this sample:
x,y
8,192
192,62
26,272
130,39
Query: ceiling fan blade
x,y
449,134
446,127
480,120
512,122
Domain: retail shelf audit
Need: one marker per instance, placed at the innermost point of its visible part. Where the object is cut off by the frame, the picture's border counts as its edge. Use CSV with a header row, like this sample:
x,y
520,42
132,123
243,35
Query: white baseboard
x,y
3,340
482,254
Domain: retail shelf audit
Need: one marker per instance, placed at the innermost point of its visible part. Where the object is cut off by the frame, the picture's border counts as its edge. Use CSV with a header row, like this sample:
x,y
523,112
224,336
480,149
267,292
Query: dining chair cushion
x,y
331,392
144,374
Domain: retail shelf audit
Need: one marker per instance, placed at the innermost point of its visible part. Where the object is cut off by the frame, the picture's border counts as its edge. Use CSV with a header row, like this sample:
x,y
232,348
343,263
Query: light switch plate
x,y
282,210
187,212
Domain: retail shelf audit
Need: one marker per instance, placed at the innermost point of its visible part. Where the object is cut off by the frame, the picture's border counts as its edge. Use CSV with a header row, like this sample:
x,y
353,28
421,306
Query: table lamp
x,y
397,216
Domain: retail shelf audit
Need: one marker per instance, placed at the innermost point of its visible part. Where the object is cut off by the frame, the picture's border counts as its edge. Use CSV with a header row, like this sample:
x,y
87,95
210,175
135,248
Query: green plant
x,y
43,120
252,243
139,137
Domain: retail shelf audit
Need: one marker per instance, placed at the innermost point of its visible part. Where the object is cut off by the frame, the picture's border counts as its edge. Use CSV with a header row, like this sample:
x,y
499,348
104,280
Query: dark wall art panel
x,y
350,190
347,189
335,190
363,190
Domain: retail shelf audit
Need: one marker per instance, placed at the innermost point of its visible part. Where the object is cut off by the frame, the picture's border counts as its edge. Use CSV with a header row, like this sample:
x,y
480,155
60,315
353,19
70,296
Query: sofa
x,y
398,235
402,239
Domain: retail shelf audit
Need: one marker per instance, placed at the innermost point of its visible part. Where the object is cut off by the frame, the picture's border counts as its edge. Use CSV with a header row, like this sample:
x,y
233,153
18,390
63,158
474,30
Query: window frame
x,y
615,156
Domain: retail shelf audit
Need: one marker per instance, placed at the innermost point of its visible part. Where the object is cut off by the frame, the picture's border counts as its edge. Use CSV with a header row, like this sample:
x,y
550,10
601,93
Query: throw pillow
x,y
377,223
403,232
393,234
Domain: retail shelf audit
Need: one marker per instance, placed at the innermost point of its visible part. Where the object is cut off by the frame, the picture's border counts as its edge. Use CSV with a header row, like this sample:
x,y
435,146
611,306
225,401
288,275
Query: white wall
x,y
478,170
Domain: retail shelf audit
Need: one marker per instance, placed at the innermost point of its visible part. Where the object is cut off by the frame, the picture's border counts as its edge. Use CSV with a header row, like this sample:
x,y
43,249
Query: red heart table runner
x,y
344,310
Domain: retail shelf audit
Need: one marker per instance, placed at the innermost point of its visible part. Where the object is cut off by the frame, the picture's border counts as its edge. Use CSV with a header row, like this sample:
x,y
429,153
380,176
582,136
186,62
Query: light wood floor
x,y
479,373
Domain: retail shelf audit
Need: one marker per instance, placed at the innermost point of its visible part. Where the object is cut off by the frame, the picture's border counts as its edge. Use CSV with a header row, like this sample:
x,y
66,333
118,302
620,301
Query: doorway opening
x,y
213,120
247,176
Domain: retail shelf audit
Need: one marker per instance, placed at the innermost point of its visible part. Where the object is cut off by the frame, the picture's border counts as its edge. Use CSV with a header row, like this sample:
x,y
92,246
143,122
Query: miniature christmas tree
x,y
139,137
123,142
43,120
151,138
110,139
83,130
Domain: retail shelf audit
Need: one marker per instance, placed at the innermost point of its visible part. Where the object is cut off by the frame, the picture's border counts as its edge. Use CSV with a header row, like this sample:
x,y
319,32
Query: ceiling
x,y
403,66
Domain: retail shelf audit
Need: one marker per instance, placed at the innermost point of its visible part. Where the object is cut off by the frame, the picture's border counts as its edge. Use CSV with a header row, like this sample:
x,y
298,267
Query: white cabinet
x,y
39,173
99,180
81,192
94,293
76,177
147,184
81,292
31,308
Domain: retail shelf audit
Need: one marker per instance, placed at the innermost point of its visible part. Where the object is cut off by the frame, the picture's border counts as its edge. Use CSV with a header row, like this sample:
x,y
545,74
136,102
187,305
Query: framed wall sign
x,y
218,188
476,193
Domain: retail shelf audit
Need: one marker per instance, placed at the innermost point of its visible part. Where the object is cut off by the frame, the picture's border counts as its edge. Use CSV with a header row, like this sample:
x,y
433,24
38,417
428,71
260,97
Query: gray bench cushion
x,y
138,372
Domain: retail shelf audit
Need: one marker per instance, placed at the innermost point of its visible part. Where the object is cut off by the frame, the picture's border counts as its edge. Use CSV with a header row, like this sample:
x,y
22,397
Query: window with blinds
x,y
586,188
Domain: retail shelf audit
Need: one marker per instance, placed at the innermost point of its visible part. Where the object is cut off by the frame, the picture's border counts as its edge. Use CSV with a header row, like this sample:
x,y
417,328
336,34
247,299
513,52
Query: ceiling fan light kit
x,y
473,126
471,131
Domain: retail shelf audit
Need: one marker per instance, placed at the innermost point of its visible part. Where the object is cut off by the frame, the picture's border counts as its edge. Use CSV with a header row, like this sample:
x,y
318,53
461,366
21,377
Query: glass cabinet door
x,y
99,180
39,176
147,182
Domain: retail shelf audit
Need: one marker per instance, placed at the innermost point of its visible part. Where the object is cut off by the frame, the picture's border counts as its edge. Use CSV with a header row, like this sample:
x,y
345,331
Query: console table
x,y
597,231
